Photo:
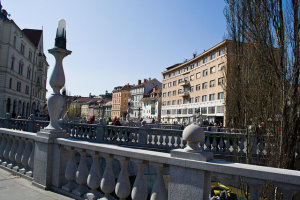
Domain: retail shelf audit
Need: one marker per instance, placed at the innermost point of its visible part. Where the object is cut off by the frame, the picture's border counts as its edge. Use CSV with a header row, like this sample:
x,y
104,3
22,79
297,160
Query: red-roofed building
x,y
120,97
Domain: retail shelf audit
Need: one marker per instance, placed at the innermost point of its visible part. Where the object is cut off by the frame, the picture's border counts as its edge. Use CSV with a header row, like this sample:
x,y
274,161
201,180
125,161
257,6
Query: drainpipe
x,y
31,82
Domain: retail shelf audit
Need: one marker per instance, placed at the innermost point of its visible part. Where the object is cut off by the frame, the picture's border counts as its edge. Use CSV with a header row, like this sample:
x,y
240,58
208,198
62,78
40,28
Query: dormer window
x,y
22,49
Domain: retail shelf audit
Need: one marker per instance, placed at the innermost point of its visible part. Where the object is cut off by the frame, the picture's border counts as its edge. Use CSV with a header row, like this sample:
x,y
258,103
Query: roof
x,y
168,68
34,35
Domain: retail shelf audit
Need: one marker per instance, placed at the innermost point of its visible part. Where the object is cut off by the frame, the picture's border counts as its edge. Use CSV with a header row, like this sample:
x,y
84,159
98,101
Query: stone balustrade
x,y
17,152
82,169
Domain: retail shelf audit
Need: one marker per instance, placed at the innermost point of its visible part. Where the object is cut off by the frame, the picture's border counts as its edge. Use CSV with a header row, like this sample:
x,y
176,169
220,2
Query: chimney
x,y
149,79
139,82
194,55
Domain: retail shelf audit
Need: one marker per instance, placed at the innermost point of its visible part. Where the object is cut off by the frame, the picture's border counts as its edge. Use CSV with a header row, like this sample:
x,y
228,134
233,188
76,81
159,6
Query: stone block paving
x,y
16,188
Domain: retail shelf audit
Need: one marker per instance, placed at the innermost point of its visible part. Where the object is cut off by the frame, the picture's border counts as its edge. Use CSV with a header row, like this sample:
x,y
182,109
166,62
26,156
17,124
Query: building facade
x,y
196,85
152,105
120,97
23,70
137,92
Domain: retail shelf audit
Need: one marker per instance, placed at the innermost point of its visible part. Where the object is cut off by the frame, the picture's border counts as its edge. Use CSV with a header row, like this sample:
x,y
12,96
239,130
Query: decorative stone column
x,y
195,184
44,157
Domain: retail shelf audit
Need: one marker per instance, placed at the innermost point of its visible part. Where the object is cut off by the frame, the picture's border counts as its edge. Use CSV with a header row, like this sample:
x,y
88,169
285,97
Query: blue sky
x,y
115,42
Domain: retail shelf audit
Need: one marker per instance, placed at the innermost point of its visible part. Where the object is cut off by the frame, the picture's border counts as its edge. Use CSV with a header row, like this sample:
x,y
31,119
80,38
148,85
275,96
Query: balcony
x,y
184,83
184,94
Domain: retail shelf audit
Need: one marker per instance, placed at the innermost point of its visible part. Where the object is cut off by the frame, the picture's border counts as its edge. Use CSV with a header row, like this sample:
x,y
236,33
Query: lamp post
x,y
56,101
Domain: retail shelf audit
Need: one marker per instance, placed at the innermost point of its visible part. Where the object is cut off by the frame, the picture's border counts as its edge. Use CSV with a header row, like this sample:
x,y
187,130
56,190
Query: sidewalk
x,y
16,188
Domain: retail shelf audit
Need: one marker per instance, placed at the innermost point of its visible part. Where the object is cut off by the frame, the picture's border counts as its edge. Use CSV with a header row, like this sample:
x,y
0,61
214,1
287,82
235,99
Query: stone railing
x,y
17,151
81,169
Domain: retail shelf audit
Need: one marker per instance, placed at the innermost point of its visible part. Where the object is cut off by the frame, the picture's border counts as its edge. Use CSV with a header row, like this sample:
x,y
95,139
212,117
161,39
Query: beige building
x,y
23,70
120,97
197,84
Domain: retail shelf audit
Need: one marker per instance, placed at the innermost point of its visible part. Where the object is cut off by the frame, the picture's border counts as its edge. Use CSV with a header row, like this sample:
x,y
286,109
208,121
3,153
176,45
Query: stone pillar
x,y
100,131
142,137
45,156
188,183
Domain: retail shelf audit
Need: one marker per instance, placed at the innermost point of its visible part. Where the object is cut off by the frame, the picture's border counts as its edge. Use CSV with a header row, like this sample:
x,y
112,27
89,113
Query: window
x,y
174,102
174,92
221,52
197,99
204,110
192,89
169,94
185,101
163,103
211,110
12,63
198,87
221,81
164,94
18,86
186,89
180,81
174,83
10,83
179,101
220,109
169,75
198,63
170,84
212,97
204,98
212,83
205,60
212,70
192,66
15,41
198,75
204,85
205,72
192,77
186,69
30,55
220,95
213,56
175,73
22,49
179,91
21,67
165,76
180,71
27,89
186,79
169,103
221,67
191,100
164,85
179,111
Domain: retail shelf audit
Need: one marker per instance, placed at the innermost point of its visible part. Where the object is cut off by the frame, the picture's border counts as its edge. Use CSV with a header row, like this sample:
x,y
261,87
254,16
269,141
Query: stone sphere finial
x,y
193,134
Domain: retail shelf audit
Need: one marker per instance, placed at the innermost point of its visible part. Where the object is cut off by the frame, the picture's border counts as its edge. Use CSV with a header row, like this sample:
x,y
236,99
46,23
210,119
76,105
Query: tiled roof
x,y
34,35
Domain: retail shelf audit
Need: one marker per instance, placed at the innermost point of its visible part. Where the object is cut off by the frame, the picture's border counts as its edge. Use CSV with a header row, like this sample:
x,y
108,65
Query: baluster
x,y
73,132
6,151
139,190
126,134
12,152
136,137
255,187
159,189
111,135
107,184
207,142
184,142
161,140
121,135
85,134
235,145
2,147
18,156
94,177
155,140
172,142
167,140
31,160
214,144
131,137
70,173
81,174
25,157
123,187
90,136
221,144
178,142
227,144
242,144
150,139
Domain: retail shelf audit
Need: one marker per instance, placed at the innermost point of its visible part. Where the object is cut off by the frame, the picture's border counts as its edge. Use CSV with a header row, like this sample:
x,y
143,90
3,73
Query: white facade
x,y
23,70
152,109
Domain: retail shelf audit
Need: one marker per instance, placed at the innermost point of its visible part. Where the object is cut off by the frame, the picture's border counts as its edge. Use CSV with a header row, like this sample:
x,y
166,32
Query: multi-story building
x,y
137,92
152,105
23,69
120,97
197,84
